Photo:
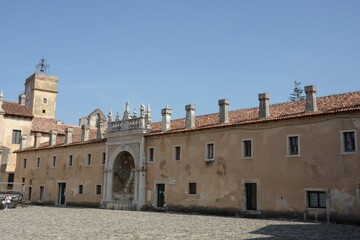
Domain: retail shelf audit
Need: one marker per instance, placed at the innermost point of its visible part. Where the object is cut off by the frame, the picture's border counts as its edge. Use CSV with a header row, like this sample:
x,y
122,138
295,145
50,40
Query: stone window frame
x,y
175,153
16,136
97,188
288,145
70,160
103,159
151,154
342,142
192,188
38,161
88,161
243,148
209,157
318,190
53,161
45,100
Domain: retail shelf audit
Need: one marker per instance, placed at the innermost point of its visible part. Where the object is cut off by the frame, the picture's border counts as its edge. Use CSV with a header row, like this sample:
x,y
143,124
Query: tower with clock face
x,y
41,93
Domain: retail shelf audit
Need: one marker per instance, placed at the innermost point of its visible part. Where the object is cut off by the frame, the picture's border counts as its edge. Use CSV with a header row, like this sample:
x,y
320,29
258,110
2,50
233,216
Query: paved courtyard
x,y
36,222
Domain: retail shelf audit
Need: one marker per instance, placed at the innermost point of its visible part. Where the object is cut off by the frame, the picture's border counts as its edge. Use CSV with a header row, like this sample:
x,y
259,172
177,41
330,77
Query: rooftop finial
x,y
42,67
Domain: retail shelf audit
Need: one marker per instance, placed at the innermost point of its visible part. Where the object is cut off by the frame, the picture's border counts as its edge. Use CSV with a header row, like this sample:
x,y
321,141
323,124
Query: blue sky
x,y
179,52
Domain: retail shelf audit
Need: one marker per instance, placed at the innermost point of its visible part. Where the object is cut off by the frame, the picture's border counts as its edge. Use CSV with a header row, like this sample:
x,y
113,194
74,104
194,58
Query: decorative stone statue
x,y
110,116
142,110
127,111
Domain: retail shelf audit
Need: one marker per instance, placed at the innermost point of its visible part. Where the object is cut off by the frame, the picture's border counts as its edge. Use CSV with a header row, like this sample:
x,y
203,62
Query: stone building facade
x,y
63,174
297,159
31,121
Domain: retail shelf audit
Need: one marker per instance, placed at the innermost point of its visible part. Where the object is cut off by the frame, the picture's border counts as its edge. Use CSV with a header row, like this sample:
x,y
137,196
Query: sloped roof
x,y
16,109
328,104
45,125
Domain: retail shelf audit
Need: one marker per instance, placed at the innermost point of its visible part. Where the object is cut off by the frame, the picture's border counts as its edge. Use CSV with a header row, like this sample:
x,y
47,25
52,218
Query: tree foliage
x,y
297,93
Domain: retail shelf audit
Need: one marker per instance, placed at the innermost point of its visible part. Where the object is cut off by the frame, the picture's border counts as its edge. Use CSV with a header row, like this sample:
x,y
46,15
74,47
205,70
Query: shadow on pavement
x,y
308,231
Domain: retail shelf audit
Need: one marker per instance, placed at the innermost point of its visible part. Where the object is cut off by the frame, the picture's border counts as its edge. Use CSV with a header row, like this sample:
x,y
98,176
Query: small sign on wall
x,y
172,182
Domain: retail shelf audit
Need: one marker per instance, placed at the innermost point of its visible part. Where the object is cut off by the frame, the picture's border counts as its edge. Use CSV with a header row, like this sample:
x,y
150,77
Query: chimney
x,y
190,116
224,110
37,140
84,133
264,111
98,128
1,101
23,142
22,98
53,135
68,135
311,105
166,118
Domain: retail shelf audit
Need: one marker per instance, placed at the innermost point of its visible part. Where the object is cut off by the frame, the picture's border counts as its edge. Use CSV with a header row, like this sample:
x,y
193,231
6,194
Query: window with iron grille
x,y
316,199
293,145
247,151
348,141
16,136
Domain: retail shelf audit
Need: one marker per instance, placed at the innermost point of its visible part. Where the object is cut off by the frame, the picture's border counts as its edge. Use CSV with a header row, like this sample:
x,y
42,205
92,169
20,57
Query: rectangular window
x,y
24,162
316,199
10,180
81,188
177,153
247,148
38,162
293,146
45,100
151,152
349,144
16,137
53,164
70,161
98,189
192,188
88,161
210,151
103,158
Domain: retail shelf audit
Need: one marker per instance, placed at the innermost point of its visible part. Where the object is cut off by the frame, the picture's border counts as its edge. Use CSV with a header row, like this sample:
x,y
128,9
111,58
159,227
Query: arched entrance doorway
x,y
123,177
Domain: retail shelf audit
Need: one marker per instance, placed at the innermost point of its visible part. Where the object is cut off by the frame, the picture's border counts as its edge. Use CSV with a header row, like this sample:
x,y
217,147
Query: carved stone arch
x,y
123,148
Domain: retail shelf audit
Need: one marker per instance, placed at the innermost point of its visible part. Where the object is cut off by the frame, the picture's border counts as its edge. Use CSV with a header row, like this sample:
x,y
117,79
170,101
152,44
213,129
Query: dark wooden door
x,y
61,195
160,194
251,198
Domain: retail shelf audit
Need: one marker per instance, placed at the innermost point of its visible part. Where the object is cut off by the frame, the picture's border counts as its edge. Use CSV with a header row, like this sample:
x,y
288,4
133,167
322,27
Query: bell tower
x,y
41,92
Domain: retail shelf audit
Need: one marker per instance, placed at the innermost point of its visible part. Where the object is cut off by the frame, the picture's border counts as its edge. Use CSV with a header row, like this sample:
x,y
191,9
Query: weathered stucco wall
x,y
79,173
9,124
282,180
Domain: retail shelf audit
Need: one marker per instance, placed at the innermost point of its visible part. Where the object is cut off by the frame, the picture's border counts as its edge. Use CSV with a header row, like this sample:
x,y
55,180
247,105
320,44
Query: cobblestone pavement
x,y
36,222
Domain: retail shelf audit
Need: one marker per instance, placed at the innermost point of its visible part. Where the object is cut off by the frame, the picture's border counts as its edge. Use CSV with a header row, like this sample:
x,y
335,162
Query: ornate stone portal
x,y
125,169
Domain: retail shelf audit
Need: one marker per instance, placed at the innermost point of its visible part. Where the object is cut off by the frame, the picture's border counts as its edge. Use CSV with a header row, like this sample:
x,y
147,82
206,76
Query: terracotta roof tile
x,y
16,109
329,104
45,125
